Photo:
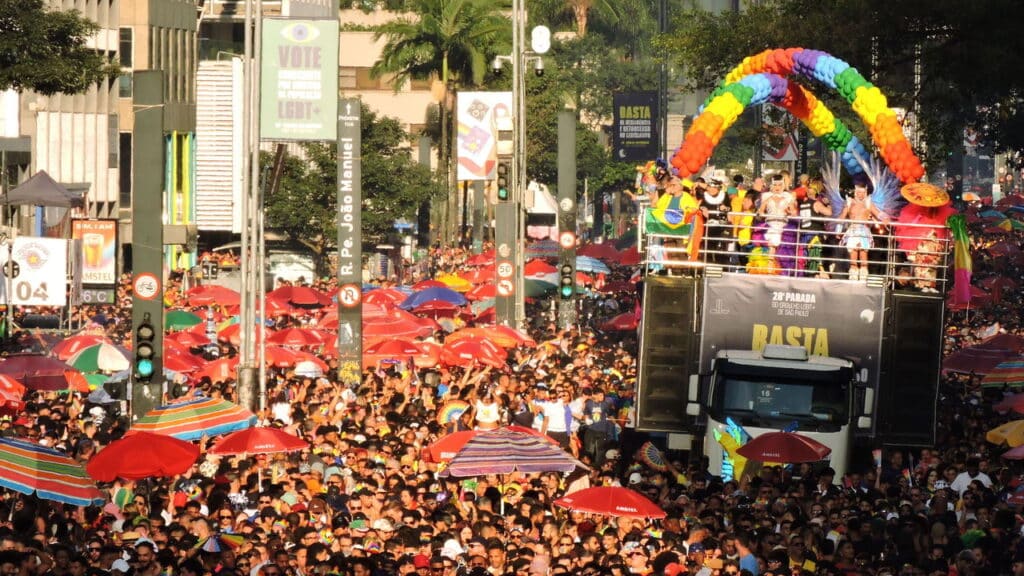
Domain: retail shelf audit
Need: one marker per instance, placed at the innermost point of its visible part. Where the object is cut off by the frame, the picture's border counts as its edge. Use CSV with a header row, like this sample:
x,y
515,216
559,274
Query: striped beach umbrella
x,y
504,451
29,468
193,419
1008,373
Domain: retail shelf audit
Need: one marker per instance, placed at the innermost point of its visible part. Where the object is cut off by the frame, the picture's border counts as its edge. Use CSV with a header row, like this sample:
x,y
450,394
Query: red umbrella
x,y
12,394
395,347
424,284
478,275
281,357
484,259
220,370
189,338
538,268
295,337
976,360
786,447
1013,403
1003,342
212,294
71,345
625,322
603,251
233,334
258,440
471,351
1003,248
386,297
482,292
300,296
38,372
630,257
618,286
616,501
142,455
182,362
398,324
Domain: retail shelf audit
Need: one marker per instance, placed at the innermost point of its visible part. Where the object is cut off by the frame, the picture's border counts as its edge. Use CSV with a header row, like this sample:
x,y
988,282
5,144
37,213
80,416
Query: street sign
x,y
146,286
505,270
350,295
567,240
505,288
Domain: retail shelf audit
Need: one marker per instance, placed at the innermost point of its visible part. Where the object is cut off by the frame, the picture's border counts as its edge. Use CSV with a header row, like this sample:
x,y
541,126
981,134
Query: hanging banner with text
x,y
98,251
39,273
480,116
299,79
350,252
635,126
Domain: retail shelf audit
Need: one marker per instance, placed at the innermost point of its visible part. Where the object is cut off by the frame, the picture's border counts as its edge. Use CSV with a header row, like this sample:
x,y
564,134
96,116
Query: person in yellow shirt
x,y
678,196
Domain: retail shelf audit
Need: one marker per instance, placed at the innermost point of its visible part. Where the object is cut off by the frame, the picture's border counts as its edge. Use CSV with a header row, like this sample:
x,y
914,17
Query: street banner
x,y
350,231
828,318
38,276
478,115
635,126
299,79
98,248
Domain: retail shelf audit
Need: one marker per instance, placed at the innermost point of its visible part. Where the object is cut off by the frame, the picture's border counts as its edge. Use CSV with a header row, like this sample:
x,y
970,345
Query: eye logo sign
x,y
300,32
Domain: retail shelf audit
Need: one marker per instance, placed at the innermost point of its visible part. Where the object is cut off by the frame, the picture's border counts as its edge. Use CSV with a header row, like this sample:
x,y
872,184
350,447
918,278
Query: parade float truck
x,y
727,354
721,284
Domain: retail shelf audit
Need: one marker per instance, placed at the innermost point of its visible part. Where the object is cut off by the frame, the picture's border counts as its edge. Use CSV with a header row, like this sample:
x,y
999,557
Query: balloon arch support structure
x,y
765,78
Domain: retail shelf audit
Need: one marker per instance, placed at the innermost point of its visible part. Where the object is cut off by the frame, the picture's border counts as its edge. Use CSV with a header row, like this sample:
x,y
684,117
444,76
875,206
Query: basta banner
x,y
635,126
98,250
827,317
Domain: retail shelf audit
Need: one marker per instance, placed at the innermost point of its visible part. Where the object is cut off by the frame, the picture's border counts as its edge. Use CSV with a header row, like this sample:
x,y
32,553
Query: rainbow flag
x,y
962,266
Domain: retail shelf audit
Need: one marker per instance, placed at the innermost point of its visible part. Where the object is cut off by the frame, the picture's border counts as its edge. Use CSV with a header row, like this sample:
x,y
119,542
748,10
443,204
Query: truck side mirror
x,y
869,401
693,396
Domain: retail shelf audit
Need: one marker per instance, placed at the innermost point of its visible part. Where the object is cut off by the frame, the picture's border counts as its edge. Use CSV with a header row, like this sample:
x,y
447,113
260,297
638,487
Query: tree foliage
x,y
45,50
304,207
449,40
965,51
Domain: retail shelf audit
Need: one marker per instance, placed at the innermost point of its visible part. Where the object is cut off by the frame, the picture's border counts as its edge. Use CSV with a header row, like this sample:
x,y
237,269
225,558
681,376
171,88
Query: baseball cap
x,y
695,547
674,569
421,561
636,478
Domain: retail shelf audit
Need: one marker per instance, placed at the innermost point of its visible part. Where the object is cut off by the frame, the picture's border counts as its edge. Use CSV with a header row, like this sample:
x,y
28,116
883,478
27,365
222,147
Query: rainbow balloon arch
x,y
767,78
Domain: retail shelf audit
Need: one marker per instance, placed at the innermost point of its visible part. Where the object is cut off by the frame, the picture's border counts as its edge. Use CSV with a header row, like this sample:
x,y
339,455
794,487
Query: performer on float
x,y
923,246
858,238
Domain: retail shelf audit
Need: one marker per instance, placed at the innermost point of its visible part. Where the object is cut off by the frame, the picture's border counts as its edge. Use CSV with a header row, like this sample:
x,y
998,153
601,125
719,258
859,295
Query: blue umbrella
x,y
592,265
435,293
992,214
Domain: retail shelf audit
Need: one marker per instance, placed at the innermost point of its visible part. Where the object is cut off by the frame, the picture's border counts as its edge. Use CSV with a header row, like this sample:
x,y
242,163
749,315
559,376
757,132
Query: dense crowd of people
x,y
363,501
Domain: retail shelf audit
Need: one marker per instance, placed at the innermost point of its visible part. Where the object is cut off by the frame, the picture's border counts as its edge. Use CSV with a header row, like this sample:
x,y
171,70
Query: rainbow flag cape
x,y
962,266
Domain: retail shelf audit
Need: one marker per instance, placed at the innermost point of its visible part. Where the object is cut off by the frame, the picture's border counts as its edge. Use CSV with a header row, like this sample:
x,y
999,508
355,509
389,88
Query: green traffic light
x,y
144,368
503,194
566,291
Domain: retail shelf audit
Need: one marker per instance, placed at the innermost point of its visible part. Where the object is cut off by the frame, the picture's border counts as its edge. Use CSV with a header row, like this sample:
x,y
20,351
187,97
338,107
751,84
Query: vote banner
x,y
299,79
98,250
635,126
38,275
828,318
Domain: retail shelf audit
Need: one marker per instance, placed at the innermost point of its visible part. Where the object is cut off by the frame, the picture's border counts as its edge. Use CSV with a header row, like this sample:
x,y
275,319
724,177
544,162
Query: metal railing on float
x,y
905,256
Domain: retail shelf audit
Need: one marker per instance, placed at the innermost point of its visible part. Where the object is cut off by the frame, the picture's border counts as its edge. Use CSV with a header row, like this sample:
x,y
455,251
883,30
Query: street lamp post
x,y
520,59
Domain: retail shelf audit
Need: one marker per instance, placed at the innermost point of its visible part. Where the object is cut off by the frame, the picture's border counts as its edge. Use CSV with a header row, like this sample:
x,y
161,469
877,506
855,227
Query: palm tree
x,y
448,40
580,10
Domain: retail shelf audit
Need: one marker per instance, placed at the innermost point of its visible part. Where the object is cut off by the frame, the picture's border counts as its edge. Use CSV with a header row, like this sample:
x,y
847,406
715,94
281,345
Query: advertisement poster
x,y
635,126
98,250
479,114
299,80
747,312
39,274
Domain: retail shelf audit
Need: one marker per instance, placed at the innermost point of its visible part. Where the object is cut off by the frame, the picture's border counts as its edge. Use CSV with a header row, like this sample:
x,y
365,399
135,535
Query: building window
x,y
346,77
125,180
421,84
127,47
124,85
364,81
112,136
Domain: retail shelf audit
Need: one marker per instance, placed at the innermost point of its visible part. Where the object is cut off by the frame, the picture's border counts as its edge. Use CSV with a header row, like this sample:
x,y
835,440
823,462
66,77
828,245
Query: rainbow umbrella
x,y
220,543
652,457
28,468
193,419
1008,373
451,411
101,357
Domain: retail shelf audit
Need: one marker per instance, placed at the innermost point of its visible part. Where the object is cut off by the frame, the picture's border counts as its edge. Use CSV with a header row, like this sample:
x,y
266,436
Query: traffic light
x,y
567,281
145,349
503,183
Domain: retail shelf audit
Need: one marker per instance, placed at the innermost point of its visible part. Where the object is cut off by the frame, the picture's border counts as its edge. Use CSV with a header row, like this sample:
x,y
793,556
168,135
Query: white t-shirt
x,y
554,415
963,480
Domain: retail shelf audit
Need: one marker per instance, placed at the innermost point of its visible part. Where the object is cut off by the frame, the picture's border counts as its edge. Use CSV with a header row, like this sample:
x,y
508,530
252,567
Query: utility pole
x,y
567,218
147,242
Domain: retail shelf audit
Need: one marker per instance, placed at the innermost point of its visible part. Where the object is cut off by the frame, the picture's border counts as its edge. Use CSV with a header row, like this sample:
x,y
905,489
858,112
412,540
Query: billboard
x,y
635,126
829,318
98,250
39,274
478,115
299,79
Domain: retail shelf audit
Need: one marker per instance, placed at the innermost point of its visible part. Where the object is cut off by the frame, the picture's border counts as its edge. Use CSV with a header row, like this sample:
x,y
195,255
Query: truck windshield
x,y
817,400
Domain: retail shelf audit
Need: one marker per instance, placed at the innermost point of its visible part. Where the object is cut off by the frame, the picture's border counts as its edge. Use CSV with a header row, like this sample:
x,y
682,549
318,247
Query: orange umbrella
x,y
220,370
471,351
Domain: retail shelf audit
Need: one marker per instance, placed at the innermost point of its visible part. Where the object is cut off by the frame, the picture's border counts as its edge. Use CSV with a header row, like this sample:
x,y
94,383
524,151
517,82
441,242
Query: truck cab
x,y
780,387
